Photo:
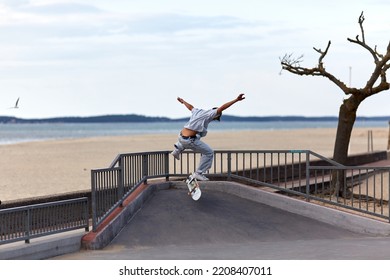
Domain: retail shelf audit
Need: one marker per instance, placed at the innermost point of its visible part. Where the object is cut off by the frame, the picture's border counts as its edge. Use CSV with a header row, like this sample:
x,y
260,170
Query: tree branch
x,y
381,66
373,86
362,43
288,59
320,63
377,53
292,65
360,21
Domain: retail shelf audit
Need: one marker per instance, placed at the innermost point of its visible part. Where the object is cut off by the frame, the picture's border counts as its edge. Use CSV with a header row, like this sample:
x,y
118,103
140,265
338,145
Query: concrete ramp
x,y
224,226
172,218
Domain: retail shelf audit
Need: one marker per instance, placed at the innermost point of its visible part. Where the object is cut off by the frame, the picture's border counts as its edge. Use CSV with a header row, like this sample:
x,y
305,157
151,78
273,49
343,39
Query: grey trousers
x,y
198,146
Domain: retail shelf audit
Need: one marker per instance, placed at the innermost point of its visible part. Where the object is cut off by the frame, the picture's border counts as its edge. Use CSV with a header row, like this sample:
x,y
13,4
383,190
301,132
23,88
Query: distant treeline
x,y
140,118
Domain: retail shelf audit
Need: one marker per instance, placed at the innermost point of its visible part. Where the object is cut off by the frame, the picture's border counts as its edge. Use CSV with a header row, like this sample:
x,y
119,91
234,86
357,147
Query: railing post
x,y
121,180
166,161
85,215
28,226
307,176
388,191
145,167
388,140
93,201
229,165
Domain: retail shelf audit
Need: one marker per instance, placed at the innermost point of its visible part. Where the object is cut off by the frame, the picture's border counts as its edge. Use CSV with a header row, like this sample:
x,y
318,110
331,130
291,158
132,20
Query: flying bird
x,y
16,104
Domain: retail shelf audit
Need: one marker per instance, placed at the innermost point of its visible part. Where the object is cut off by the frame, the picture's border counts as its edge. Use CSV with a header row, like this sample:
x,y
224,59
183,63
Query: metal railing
x,y
297,172
111,186
27,222
363,189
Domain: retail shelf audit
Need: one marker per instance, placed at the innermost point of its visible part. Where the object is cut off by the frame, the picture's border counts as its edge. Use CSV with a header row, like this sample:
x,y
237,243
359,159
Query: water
x,y
16,133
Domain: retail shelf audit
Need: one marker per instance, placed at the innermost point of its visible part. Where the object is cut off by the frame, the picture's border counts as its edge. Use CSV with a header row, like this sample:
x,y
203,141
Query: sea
x,y
18,133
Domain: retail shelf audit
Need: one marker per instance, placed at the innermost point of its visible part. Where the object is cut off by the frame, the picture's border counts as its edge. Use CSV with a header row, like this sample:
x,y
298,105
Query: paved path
x,y
223,226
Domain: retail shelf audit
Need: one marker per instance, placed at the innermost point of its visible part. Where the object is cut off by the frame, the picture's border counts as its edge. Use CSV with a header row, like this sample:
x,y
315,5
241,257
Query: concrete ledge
x,y
354,223
43,247
115,223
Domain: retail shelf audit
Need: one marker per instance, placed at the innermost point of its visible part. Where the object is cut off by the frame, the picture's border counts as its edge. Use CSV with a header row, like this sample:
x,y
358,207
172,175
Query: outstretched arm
x,y
188,105
230,103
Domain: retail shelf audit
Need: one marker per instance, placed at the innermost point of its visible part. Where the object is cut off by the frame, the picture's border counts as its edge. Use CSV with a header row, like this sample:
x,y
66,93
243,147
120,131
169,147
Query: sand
x,y
55,167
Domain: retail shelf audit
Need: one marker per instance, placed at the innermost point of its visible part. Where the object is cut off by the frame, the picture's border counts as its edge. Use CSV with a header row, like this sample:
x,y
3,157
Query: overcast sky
x,y
94,57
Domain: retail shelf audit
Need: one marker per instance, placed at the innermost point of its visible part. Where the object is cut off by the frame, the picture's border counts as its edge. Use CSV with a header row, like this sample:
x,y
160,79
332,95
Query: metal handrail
x,y
32,221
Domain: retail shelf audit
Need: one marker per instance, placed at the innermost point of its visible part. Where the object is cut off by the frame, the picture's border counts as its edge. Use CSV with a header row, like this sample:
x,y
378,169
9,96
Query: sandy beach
x,y
54,167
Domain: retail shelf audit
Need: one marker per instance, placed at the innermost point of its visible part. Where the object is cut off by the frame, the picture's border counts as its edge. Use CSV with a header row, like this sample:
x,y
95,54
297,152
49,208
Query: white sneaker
x,y
199,177
176,154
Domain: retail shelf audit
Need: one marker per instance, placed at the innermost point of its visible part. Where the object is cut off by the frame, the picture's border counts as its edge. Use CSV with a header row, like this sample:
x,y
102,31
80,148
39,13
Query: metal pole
x,y
166,161
229,165
388,189
307,176
145,167
388,142
121,179
370,142
28,222
93,201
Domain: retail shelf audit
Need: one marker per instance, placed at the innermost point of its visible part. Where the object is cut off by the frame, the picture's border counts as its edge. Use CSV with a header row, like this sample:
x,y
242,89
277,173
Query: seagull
x,y
16,104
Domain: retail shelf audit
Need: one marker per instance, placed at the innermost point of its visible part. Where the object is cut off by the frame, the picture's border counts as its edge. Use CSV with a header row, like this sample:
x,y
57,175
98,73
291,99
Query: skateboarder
x,y
196,128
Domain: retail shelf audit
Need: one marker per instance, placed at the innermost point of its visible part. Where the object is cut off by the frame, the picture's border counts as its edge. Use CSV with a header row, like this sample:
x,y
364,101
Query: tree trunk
x,y
343,134
347,117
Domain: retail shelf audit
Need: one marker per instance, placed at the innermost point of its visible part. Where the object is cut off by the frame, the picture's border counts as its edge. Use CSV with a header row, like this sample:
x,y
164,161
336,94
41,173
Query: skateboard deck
x,y
193,188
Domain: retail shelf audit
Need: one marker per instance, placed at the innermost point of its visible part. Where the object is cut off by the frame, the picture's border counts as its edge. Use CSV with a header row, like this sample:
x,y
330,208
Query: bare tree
x,y
347,113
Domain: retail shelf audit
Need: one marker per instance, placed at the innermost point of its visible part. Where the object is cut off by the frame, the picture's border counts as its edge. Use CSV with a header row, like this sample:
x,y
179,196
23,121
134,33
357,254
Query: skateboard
x,y
193,187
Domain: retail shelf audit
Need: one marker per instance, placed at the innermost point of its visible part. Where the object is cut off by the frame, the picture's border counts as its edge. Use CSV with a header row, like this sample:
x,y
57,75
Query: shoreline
x,y
24,133
41,168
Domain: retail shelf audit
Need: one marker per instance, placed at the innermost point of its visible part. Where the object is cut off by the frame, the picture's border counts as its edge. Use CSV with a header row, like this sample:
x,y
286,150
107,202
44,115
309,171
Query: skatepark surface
x,y
171,226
